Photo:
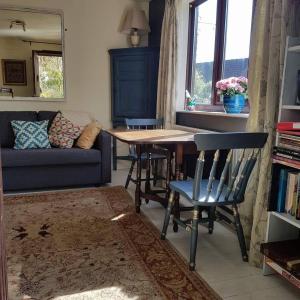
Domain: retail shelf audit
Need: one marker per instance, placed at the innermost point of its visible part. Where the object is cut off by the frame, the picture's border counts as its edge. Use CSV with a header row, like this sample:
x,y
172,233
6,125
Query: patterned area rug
x,y
90,244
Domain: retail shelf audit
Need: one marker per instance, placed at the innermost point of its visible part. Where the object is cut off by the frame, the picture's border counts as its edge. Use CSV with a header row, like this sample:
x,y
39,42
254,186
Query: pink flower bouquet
x,y
232,86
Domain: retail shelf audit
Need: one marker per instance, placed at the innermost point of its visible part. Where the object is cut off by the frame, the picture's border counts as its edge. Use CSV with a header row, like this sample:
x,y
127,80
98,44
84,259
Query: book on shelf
x,y
282,190
289,132
291,193
286,151
285,253
287,160
288,126
288,197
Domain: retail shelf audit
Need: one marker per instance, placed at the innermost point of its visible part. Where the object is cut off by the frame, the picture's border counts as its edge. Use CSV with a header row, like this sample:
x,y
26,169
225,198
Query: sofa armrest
x,y
103,143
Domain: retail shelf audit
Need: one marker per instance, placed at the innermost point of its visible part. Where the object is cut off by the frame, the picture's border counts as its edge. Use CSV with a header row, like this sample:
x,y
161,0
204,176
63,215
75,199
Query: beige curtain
x,y
166,95
273,21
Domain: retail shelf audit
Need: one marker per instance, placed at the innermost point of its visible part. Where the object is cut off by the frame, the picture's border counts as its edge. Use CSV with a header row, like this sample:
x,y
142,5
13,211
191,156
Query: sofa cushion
x,y
30,135
47,115
44,157
7,137
89,135
63,132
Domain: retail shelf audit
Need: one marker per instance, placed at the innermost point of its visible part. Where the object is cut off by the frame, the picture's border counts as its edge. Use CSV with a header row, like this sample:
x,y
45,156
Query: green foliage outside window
x,y
51,76
201,89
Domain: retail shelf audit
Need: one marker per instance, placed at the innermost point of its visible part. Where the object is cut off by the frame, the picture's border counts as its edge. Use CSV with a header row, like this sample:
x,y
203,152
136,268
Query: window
x,y
48,74
219,42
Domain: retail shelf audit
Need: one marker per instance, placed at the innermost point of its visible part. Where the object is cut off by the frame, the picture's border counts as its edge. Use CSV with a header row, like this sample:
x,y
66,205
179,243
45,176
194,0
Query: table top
x,y
153,136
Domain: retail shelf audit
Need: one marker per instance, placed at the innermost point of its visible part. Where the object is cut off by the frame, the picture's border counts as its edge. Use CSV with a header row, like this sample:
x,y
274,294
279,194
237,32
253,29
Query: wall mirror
x,y
31,55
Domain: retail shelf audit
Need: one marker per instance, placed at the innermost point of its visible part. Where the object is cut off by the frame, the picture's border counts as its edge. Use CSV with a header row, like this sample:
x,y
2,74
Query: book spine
x,y
294,188
290,147
291,157
298,199
293,162
282,190
287,151
288,126
289,137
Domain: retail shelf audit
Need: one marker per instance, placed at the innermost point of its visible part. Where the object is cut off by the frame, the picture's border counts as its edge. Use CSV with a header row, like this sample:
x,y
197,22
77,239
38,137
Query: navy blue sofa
x,y
36,169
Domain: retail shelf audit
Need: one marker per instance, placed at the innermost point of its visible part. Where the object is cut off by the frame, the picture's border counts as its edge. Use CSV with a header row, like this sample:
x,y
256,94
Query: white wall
x,y
92,29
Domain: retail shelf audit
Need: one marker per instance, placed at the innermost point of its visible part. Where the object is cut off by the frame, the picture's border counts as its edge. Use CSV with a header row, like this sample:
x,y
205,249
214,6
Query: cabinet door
x,y
134,86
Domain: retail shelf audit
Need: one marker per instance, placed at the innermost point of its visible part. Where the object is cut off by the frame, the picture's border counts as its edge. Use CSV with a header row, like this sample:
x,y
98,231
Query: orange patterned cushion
x,y
63,132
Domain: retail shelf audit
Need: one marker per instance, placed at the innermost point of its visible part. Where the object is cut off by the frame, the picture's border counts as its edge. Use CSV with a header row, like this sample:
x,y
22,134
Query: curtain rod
x,y
37,42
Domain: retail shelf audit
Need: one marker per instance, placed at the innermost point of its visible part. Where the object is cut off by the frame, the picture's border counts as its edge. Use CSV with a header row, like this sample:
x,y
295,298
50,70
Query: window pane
x,y
51,76
239,18
203,58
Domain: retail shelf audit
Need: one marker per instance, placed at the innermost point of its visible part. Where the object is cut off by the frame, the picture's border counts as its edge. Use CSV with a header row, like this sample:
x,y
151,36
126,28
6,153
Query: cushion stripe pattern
x,y
30,135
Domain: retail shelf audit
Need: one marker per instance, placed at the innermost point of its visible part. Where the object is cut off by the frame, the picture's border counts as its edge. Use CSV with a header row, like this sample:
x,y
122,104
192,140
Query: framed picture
x,y
14,72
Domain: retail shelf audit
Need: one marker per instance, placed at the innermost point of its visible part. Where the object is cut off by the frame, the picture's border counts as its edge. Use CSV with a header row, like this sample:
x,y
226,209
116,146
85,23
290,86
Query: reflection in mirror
x,y
31,54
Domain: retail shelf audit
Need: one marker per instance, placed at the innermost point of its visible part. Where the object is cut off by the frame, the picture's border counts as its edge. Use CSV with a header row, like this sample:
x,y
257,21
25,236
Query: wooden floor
x,y
218,257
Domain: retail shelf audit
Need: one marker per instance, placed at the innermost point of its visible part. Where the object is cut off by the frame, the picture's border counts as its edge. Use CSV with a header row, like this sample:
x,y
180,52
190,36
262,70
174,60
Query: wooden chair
x,y
210,193
150,154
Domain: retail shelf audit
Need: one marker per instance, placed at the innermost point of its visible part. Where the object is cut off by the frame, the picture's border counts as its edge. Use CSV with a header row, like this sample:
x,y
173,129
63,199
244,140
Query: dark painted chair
x,y
210,193
150,154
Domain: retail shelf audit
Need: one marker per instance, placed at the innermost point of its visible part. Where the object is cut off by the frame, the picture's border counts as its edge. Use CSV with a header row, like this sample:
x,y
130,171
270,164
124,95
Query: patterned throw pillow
x,y
30,135
63,132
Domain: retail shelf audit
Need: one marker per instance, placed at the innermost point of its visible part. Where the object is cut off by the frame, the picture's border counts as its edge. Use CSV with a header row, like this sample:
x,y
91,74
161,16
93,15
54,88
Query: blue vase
x,y
234,104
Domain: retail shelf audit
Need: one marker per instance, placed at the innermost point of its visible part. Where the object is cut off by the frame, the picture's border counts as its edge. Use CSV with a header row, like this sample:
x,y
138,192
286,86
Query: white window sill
x,y
216,114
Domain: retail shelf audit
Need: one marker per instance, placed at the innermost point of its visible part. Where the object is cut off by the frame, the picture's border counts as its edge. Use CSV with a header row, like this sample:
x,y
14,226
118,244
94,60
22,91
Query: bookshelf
x,y
288,110
292,107
283,226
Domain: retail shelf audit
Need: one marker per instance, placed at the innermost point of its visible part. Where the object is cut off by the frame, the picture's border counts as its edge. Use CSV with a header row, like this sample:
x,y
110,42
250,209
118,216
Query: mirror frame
x,y
42,11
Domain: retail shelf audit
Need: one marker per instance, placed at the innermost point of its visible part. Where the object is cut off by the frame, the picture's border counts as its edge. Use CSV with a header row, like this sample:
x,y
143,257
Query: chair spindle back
x,y
142,124
241,171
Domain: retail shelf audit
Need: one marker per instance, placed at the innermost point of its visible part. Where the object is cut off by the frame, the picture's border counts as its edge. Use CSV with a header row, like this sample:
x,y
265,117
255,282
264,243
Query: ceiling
x,y
39,26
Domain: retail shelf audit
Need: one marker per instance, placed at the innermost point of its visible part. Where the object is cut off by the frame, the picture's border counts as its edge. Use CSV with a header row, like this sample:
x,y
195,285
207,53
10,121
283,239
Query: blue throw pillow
x,y
30,135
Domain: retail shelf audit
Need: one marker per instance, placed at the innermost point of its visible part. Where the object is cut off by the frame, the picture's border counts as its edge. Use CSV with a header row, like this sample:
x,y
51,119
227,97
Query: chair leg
x,y
129,174
155,171
194,238
240,232
211,216
176,211
148,174
167,216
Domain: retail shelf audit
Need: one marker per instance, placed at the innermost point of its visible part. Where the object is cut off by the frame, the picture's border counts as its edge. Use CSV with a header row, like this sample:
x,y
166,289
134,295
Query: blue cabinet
x,y
134,73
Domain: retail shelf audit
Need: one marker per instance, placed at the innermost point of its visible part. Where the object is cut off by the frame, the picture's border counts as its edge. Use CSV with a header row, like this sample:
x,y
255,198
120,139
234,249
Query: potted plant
x,y
190,102
234,92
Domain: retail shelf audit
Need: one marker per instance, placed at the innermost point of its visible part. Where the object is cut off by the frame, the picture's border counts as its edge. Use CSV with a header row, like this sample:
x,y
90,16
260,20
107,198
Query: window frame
x,y
219,51
55,53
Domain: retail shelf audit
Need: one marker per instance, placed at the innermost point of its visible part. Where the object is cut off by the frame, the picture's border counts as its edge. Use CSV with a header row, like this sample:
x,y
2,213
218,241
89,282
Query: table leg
x,y
178,161
138,179
114,151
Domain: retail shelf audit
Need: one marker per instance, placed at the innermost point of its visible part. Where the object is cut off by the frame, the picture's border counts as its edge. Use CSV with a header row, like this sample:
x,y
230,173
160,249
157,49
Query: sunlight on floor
x,y
118,217
113,292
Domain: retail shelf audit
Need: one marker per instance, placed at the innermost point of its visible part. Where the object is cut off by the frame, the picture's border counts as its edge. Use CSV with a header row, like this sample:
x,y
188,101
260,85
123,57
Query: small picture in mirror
x,y
14,72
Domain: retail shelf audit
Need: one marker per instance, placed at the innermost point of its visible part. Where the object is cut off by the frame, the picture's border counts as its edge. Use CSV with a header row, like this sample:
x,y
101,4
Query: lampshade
x,y
135,19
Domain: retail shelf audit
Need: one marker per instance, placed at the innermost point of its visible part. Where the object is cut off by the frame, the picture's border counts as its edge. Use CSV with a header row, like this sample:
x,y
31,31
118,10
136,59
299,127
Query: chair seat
x,y
185,188
153,156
